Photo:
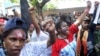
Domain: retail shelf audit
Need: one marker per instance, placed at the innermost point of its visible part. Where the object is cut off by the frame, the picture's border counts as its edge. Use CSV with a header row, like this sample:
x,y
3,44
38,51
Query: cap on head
x,y
86,19
15,23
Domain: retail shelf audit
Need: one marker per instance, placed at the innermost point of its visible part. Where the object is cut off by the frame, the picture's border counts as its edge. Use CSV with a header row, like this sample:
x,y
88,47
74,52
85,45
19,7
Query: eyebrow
x,y
16,37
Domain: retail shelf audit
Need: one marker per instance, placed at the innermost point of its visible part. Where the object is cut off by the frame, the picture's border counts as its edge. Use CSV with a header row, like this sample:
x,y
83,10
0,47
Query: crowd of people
x,y
57,35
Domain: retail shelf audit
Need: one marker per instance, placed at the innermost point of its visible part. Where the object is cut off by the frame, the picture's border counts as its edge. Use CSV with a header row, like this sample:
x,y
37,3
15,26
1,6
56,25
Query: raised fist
x,y
89,4
96,3
31,10
87,10
50,27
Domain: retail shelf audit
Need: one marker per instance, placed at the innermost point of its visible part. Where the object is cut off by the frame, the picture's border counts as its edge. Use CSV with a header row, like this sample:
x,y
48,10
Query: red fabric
x,y
60,43
78,48
1,20
84,43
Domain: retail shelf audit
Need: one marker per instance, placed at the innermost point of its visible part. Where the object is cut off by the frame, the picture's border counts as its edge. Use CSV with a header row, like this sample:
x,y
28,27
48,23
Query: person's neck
x,y
61,36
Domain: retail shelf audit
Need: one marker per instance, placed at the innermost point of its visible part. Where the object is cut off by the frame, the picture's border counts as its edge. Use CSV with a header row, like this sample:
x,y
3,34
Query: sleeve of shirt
x,y
34,48
73,29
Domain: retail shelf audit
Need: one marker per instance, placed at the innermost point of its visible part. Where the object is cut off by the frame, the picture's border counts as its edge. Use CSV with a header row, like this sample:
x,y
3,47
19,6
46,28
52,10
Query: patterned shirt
x,y
69,50
36,49
39,37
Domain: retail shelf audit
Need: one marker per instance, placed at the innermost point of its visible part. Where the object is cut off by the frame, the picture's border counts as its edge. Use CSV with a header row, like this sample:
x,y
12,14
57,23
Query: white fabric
x,y
36,49
69,50
97,15
80,27
91,11
41,37
99,20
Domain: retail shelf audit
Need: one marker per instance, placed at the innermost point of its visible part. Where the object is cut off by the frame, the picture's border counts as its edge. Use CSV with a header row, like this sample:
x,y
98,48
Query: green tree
x,y
15,1
49,6
44,5
36,4
39,6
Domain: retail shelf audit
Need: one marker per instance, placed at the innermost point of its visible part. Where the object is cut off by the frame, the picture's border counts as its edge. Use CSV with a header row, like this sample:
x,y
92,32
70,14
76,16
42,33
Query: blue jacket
x,y
2,52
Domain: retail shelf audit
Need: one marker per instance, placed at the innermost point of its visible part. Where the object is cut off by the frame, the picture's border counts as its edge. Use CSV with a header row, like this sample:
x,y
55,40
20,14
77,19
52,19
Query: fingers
x,y
89,4
31,10
87,10
88,7
96,3
46,21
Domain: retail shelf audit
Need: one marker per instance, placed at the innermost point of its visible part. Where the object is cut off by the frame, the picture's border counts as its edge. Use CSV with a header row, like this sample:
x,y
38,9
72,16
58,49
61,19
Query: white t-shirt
x,y
36,49
98,21
41,37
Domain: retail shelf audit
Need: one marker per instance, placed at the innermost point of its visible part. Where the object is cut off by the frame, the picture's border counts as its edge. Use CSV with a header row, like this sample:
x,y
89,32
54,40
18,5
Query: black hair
x,y
66,18
58,25
63,17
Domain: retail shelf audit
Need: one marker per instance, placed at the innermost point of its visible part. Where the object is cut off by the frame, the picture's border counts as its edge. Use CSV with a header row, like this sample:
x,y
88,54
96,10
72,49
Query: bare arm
x,y
83,15
34,20
45,22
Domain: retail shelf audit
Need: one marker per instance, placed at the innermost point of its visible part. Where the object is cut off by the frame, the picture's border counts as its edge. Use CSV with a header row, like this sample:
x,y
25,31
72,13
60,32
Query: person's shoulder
x,y
73,25
1,49
2,52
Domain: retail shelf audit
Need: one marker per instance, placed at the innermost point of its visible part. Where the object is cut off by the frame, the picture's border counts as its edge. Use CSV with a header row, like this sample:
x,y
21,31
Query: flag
x,y
24,12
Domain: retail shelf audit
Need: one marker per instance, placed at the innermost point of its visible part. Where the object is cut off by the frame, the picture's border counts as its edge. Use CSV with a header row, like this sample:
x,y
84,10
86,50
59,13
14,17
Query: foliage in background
x,y
15,1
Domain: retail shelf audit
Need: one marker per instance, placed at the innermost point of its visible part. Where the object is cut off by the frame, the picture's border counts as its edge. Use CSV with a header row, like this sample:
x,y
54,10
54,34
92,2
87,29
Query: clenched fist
x,y
50,27
31,10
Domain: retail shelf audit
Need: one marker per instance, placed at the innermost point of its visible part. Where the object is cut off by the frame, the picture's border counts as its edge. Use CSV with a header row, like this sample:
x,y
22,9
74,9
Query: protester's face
x,y
64,28
31,27
85,24
15,41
